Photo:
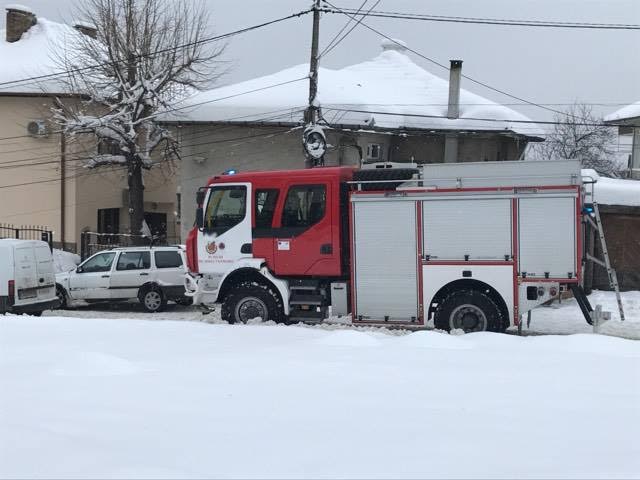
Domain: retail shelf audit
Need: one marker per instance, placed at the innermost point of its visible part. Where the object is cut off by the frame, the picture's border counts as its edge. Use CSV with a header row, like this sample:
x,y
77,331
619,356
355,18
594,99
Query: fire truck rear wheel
x,y
252,300
469,310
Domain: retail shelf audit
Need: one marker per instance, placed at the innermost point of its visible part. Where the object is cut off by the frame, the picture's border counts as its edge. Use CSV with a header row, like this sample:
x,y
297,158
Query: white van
x,y
27,279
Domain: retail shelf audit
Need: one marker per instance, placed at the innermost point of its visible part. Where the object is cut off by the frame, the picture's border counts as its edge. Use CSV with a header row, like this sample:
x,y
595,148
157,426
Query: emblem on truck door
x,y
211,248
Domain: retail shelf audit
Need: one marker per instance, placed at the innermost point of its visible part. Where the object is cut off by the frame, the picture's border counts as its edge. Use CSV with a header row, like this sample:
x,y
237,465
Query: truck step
x,y
300,299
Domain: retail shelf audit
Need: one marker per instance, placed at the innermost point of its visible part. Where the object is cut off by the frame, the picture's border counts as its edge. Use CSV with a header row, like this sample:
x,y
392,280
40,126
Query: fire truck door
x,y
227,227
304,244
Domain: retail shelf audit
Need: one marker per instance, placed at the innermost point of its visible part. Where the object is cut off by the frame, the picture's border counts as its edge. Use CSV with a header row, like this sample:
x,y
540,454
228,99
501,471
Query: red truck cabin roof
x,y
341,174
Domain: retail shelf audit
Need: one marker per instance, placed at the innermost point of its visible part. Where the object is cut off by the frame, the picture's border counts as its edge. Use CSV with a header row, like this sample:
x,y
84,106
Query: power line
x,y
497,90
489,21
344,27
331,47
36,79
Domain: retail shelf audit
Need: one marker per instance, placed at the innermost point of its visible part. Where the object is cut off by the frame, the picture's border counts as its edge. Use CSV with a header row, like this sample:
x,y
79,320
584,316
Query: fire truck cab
x,y
471,246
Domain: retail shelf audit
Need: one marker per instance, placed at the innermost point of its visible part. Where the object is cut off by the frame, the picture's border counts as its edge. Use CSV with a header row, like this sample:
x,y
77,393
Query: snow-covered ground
x,y
563,319
131,398
179,394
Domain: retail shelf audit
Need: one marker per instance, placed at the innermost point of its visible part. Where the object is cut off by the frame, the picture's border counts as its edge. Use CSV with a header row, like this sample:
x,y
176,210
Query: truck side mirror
x,y
200,217
200,194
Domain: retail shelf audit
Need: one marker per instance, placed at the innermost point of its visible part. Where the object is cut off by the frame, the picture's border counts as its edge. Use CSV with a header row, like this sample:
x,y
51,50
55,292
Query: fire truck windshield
x,y
227,207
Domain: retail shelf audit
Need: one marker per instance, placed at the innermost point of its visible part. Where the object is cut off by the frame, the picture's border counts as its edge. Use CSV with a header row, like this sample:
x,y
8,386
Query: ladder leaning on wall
x,y
596,223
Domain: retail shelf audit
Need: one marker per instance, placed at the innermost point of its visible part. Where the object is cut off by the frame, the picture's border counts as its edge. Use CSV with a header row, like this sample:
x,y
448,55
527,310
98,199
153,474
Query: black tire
x,y
377,174
152,299
471,310
36,314
250,300
62,296
184,301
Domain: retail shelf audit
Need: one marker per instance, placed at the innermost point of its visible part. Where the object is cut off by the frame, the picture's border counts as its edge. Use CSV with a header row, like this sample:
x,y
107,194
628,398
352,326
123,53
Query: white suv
x,y
153,275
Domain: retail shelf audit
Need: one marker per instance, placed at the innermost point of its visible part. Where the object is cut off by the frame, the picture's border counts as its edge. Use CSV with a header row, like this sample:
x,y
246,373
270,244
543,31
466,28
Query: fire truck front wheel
x,y
469,310
250,300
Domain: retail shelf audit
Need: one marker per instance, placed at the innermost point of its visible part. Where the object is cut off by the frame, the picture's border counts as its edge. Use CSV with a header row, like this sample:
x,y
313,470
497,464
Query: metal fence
x,y
27,232
93,242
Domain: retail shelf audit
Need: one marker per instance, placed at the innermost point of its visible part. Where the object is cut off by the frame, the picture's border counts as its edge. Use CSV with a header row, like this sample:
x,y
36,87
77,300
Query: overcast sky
x,y
549,66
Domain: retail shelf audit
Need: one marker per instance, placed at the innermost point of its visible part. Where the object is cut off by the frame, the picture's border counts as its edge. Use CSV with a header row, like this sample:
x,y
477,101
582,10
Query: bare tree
x,y
580,135
145,57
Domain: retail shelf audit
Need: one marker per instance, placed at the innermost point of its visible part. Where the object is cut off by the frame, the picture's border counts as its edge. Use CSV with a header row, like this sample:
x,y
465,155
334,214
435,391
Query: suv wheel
x,y
152,299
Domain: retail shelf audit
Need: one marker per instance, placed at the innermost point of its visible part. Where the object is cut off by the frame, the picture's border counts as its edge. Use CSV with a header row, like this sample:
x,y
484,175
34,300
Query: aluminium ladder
x,y
613,278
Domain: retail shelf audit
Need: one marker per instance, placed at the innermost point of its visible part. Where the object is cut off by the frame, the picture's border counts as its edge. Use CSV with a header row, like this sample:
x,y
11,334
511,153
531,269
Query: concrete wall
x,y
212,149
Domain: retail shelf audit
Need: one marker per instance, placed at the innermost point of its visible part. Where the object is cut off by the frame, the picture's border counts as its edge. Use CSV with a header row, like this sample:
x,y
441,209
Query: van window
x,y
100,263
227,207
134,261
305,205
167,259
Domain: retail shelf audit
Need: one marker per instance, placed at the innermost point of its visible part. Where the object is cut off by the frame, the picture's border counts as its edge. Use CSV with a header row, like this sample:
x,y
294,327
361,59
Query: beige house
x,y
387,109
43,180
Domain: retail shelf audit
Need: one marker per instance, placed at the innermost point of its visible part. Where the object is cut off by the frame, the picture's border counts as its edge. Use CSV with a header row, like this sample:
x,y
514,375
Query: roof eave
x,y
357,127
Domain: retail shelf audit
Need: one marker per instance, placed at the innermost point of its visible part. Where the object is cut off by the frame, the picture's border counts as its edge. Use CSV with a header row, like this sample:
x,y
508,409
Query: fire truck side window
x,y
305,205
227,207
265,207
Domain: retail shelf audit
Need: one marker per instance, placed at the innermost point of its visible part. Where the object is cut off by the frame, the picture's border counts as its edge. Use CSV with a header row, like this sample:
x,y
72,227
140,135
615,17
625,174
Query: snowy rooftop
x,y
389,83
629,111
34,55
614,191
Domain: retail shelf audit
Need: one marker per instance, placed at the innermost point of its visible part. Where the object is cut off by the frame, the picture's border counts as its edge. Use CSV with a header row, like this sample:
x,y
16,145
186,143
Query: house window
x,y
108,146
374,151
108,222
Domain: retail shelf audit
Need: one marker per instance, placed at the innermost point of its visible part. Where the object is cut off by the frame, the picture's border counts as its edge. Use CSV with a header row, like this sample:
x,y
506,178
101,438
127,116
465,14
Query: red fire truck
x,y
470,246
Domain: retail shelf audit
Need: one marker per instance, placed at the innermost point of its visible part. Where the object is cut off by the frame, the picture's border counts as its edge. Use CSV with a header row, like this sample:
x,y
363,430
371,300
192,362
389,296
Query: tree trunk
x,y
136,200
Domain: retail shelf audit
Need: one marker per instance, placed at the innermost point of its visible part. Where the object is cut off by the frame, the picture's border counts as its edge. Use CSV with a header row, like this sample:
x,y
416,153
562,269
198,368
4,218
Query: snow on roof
x,y
614,191
629,111
389,83
34,55
19,7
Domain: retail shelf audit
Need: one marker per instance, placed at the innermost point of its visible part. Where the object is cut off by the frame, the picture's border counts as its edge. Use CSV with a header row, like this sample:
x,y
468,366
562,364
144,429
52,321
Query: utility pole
x,y
311,114
63,201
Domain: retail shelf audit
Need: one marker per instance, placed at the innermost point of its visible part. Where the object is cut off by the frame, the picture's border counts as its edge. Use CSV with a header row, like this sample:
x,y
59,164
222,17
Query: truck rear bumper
x,y
36,307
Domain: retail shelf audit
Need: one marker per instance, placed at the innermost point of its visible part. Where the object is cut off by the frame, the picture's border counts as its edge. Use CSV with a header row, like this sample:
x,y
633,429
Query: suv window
x,y
167,259
100,263
227,207
133,261
305,205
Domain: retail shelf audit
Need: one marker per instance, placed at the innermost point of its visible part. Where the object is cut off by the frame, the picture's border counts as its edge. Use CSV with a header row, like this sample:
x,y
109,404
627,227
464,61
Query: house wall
x,y
622,232
30,178
209,149
25,160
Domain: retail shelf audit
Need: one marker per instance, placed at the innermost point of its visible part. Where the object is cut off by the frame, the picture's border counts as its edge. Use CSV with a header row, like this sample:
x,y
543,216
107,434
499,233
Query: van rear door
x,y
26,274
46,275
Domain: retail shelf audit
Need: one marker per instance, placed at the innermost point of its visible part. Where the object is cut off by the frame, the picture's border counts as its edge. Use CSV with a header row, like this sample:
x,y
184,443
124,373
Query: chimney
x,y
86,29
19,20
454,89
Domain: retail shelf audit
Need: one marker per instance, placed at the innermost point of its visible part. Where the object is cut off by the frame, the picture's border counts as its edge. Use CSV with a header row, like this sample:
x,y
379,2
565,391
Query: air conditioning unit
x,y
37,128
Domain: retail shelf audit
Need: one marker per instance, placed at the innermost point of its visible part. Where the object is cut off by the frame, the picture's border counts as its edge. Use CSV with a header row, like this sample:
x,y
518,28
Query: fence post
x,y
83,248
17,233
